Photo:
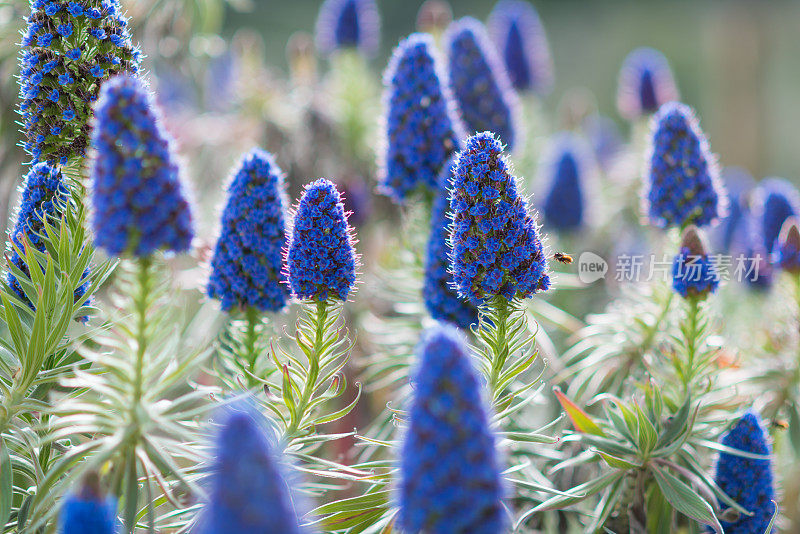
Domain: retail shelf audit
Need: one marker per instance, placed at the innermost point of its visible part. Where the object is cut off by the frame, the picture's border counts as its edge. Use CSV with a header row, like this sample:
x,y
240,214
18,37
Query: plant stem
x,y
691,343
141,305
318,317
499,346
250,341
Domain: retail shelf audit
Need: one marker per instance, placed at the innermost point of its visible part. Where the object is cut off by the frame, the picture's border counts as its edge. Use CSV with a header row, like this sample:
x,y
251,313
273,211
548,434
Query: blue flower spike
x,y
421,128
247,265
450,473
88,510
694,273
682,184
137,194
441,299
61,72
483,91
748,481
645,84
348,24
321,260
496,247
248,492
568,169
520,38
776,200
787,253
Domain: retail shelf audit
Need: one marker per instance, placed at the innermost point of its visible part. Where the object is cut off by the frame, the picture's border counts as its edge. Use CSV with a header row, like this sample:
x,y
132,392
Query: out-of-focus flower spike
x,y
450,472
88,510
748,481
60,77
520,38
568,168
496,248
731,234
137,194
247,265
694,274
605,138
421,128
787,253
441,299
343,24
681,176
775,200
645,84
321,260
480,83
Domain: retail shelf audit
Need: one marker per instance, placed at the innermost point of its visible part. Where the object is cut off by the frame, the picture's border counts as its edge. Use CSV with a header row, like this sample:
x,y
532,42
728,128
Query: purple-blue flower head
x,y
732,232
775,201
44,197
321,260
694,273
137,195
63,53
421,128
247,265
495,243
787,251
645,84
450,477
441,299
520,38
88,510
248,491
343,24
568,167
484,94
681,177
747,481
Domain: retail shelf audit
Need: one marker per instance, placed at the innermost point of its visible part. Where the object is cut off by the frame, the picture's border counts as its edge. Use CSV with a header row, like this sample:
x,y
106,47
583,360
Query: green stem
x,y
141,305
691,343
318,316
499,345
251,341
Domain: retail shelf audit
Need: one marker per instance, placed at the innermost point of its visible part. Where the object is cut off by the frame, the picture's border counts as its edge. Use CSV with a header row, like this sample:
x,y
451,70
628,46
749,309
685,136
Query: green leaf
x,y
580,420
6,483
684,499
647,432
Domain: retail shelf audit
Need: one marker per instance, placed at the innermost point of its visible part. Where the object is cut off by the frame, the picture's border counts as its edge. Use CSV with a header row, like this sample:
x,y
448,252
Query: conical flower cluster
x,y
321,260
421,128
68,50
517,31
450,472
787,253
568,166
747,481
345,24
246,268
248,493
681,176
694,273
482,90
776,201
43,198
137,195
441,299
88,510
645,84
496,248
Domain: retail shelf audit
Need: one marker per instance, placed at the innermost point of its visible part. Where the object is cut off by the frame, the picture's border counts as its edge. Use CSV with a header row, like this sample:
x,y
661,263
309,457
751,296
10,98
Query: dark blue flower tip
x,y
247,265
434,16
732,232
775,201
441,299
421,129
645,84
248,490
450,473
61,72
682,184
694,273
747,481
484,94
605,138
345,24
321,259
44,196
518,33
787,252
88,510
139,201
495,243
568,168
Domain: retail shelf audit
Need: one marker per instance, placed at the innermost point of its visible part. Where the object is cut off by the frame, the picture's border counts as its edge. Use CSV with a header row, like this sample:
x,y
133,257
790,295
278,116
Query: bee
x,y
779,423
562,257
